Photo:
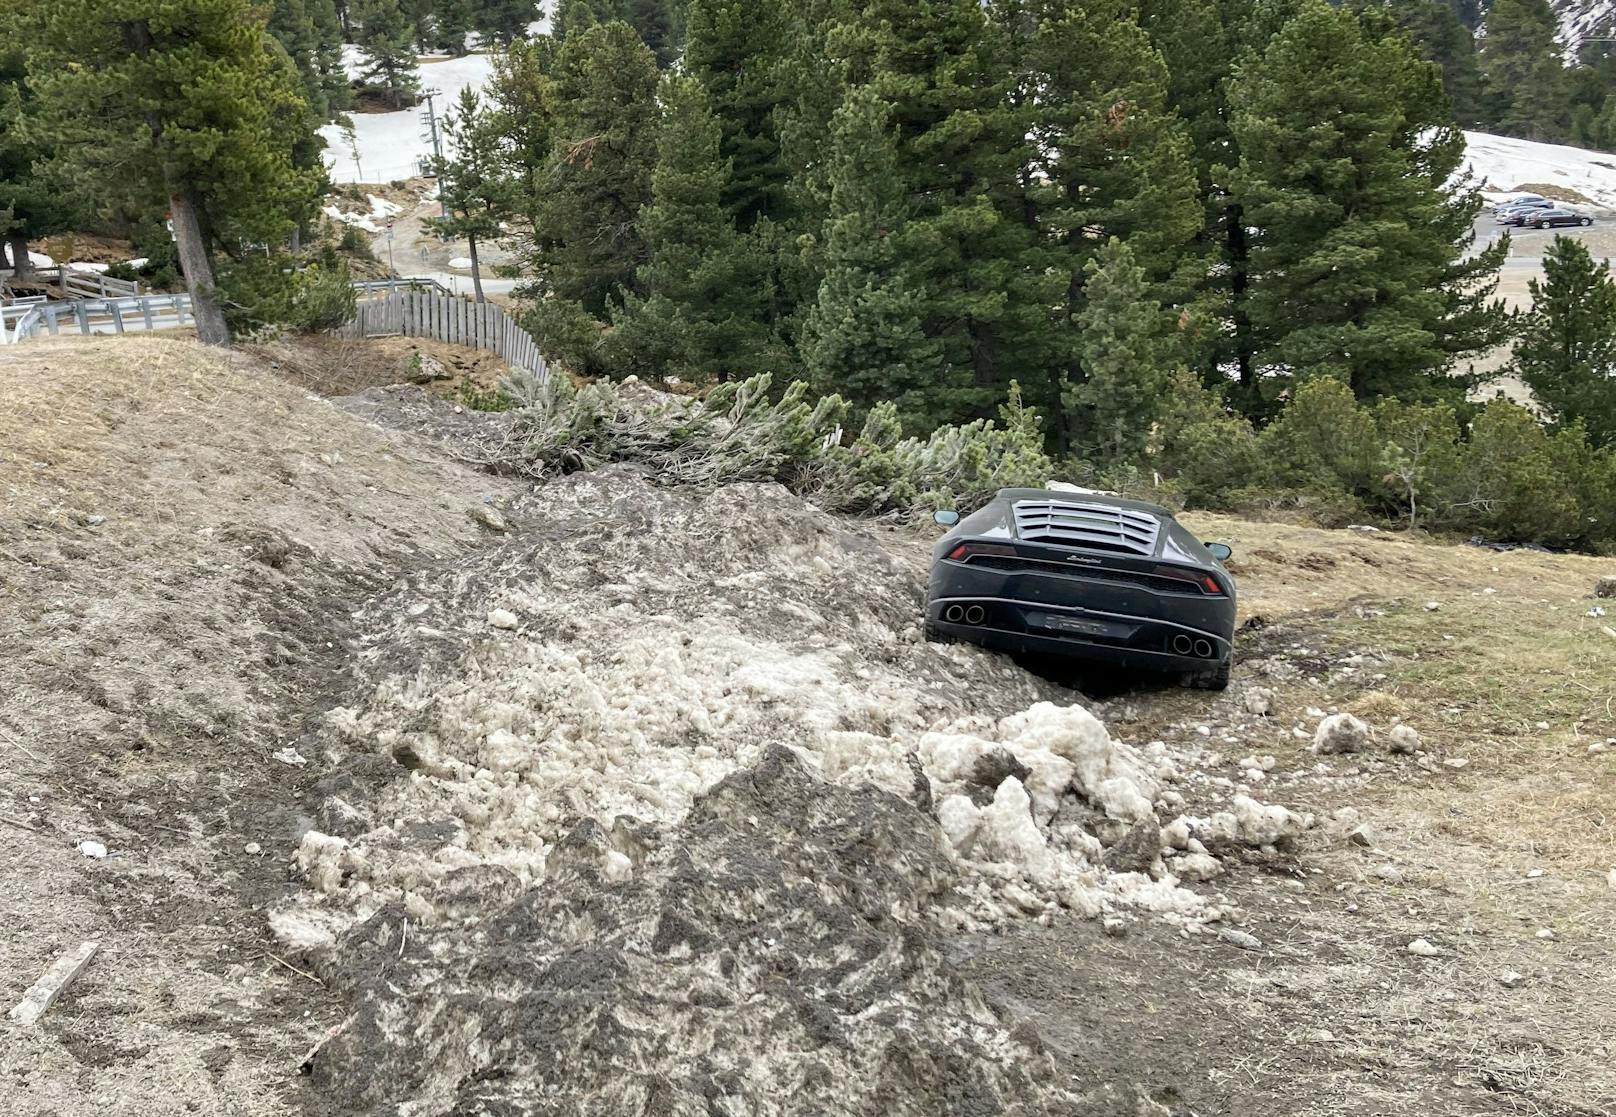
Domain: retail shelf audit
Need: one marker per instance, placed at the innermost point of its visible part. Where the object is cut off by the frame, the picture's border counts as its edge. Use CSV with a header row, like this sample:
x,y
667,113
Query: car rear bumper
x,y
1142,643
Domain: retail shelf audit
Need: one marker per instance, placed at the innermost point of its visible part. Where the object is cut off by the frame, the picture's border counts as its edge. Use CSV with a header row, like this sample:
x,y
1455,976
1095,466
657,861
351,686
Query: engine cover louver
x,y
1087,525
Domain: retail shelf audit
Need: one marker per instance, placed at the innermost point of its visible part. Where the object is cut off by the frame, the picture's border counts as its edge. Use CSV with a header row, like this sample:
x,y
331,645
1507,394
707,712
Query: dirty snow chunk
x,y
1195,867
305,929
289,755
1547,935
1456,762
1404,739
1176,834
1510,979
1240,938
1259,700
618,866
504,751
1610,879
461,262
1422,949
322,859
1254,823
1106,772
1340,733
502,618
92,849
960,820
1432,606
1008,833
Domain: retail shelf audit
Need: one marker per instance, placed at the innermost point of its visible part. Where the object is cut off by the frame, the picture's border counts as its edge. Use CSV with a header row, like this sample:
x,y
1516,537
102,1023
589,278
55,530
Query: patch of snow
x,y
461,262
87,267
392,144
1504,164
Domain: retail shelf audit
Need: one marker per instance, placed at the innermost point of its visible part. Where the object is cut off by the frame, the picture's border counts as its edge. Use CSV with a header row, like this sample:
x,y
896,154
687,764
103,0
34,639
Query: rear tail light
x,y
966,551
1206,583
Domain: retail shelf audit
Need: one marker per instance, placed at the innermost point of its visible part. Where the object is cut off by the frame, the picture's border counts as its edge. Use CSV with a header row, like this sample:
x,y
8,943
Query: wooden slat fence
x,y
93,285
449,319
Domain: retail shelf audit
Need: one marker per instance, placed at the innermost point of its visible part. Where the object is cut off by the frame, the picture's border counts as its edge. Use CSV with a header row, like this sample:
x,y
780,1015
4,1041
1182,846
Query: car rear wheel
x,y
1542,224
1217,679
1587,221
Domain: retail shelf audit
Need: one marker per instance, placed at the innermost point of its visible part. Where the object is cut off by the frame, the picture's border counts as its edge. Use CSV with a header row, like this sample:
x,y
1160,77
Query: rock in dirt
x,y
502,618
43,992
1606,586
486,515
1404,739
1196,867
1136,851
423,368
777,940
1240,938
1509,979
1340,733
1420,948
94,850
1362,835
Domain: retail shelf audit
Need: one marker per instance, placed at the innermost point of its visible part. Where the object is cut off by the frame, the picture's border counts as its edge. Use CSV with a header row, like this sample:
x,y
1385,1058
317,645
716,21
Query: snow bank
x,y
656,643
373,220
656,754
1502,164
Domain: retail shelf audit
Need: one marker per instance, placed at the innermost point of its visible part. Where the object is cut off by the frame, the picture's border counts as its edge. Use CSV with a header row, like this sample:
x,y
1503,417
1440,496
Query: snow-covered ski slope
x,y
1501,164
392,144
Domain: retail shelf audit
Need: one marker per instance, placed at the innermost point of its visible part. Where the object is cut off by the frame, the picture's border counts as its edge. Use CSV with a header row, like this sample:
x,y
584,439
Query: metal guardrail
x,y
98,316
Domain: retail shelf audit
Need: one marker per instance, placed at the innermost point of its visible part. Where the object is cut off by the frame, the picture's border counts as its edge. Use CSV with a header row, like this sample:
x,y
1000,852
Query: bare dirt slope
x,y
183,538
654,801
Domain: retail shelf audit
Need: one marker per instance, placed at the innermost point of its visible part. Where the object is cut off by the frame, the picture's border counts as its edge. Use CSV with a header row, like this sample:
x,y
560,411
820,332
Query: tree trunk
x,y
5,262
476,273
193,251
19,256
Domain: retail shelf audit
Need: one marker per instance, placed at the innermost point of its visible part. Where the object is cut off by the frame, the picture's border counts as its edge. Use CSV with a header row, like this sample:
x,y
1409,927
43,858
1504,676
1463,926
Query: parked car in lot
x,y
1552,218
1505,215
1522,200
1085,576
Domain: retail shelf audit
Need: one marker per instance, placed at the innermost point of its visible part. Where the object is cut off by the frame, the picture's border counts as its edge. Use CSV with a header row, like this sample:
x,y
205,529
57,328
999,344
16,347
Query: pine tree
x,y
657,22
522,98
702,318
587,245
1566,352
1105,158
735,49
1523,68
474,181
943,68
1128,353
175,101
1358,260
503,21
32,203
387,38
865,337
1436,29
1202,43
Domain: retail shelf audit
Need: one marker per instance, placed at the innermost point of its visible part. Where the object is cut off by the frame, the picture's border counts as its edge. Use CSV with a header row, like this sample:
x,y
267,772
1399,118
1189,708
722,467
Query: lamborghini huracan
x,y
1087,576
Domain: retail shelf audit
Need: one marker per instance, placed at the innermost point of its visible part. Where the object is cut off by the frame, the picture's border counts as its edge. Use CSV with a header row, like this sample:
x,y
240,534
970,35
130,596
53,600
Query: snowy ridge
x,y
1581,20
1503,164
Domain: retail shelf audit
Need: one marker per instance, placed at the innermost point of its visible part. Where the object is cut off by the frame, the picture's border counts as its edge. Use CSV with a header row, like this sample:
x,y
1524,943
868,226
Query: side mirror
x,y
1220,551
946,516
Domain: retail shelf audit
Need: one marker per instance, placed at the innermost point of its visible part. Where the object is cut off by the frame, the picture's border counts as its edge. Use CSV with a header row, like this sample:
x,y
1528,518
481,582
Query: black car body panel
x,y
1086,576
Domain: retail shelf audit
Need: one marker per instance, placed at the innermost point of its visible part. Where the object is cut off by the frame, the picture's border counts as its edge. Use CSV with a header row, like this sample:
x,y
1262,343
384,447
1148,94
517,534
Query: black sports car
x,y
1086,576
